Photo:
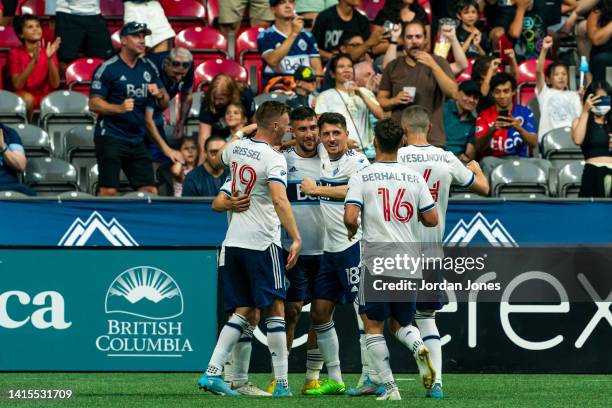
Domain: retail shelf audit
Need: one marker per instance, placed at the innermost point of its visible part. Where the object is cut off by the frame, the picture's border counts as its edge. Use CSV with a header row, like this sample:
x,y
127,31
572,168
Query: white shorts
x,y
152,14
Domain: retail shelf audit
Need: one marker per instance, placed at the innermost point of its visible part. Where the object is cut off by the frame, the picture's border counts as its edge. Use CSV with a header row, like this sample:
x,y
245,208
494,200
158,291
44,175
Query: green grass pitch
x,y
178,390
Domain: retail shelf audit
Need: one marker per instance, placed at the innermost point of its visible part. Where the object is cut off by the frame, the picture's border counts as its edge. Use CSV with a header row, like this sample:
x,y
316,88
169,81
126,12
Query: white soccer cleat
x,y
392,395
426,370
251,390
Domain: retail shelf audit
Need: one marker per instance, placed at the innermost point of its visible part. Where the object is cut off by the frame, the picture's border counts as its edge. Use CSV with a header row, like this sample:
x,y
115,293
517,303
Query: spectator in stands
x,y
401,12
483,69
444,9
175,69
348,42
459,64
353,102
592,131
151,13
558,105
500,14
366,76
460,121
83,29
528,28
33,69
9,9
189,150
473,41
122,89
286,45
599,28
310,9
582,8
235,118
418,77
504,130
305,88
206,180
345,19
222,92
12,161
231,12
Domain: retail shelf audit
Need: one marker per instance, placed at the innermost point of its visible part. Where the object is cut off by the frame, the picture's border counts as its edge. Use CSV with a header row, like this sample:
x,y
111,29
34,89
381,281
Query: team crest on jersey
x,y
302,44
146,76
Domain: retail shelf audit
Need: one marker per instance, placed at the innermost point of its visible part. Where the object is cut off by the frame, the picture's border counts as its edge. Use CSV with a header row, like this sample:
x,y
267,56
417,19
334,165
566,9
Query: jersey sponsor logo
x,y
495,233
81,232
132,91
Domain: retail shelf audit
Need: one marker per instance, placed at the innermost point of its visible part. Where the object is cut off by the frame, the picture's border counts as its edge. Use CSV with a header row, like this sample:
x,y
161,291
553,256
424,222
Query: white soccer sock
x,y
366,369
228,337
426,321
241,358
277,343
327,339
379,358
314,364
410,337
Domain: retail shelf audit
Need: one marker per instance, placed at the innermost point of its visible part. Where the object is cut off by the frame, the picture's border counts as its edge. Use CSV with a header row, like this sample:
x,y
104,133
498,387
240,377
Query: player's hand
x,y
403,98
127,105
351,234
308,187
240,202
297,25
474,167
373,83
424,58
294,253
154,91
53,47
175,156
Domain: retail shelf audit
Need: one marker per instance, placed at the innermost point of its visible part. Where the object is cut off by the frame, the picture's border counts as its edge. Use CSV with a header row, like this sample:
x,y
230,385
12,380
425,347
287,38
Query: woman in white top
x,y
558,105
353,102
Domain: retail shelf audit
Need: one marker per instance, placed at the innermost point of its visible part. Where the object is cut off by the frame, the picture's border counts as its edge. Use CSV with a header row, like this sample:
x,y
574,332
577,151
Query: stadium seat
x,y
74,195
49,176
570,178
466,75
116,40
80,151
519,178
112,10
206,71
80,72
278,97
558,147
183,14
35,140
203,42
192,125
34,7
535,108
124,185
60,111
12,195
371,7
8,40
527,80
248,56
212,12
139,194
12,108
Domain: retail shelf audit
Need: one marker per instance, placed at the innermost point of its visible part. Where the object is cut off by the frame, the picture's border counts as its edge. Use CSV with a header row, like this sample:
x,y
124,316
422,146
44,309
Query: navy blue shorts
x,y
253,278
302,277
431,299
338,277
403,312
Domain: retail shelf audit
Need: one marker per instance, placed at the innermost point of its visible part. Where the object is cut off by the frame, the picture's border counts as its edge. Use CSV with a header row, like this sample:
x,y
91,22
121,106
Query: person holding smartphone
x,y
285,46
505,130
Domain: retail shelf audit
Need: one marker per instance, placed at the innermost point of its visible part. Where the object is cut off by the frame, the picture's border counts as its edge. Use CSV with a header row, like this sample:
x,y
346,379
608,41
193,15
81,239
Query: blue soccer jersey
x,y
303,48
115,82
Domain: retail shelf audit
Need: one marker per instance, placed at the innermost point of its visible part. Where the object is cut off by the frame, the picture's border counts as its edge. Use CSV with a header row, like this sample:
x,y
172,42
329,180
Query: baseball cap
x,y
305,74
274,3
133,27
470,87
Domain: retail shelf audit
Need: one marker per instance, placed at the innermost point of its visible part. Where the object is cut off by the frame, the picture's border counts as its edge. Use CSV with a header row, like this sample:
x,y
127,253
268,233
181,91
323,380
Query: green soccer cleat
x,y
328,387
435,392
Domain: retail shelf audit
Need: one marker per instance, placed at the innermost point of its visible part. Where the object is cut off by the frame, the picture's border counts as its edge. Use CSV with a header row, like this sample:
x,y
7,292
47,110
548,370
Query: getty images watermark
x,y
394,272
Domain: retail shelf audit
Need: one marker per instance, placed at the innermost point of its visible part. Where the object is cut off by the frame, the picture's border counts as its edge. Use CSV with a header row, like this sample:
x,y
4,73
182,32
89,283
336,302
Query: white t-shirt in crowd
x,y
557,109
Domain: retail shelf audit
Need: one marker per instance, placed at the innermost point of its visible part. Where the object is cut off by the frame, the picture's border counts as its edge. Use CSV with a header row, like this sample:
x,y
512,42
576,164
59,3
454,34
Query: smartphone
x,y
604,101
503,113
388,26
308,22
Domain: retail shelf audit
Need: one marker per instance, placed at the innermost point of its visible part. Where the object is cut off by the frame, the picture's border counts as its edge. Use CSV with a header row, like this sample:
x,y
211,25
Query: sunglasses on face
x,y
177,64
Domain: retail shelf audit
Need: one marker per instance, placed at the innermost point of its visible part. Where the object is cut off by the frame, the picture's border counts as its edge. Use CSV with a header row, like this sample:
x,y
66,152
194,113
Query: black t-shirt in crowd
x,y
217,120
329,27
472,52
387,14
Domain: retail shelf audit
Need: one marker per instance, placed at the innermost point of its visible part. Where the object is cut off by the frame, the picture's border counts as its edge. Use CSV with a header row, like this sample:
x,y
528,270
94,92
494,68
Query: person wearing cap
x,y
121,90
460,121
285,45
176,73
305,88
150,12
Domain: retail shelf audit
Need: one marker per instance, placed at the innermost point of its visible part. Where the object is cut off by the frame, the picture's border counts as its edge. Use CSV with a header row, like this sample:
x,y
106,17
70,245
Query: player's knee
x,y
319,315
277,308
28,98
292,312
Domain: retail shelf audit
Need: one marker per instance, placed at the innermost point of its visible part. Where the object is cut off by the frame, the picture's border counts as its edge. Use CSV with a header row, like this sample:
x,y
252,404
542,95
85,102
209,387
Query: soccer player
x,y
440,169
254,275
338,277
303,162
122,88
391,200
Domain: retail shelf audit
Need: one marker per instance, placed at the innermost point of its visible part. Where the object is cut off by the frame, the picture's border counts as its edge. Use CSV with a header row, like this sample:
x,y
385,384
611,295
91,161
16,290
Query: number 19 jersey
x,y
390,195
253,165
440,169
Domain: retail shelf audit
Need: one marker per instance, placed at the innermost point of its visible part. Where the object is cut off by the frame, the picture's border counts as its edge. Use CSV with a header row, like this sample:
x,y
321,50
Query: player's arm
x,y
481,184
234,202
429,218
278,191
351,218
427,211
310,187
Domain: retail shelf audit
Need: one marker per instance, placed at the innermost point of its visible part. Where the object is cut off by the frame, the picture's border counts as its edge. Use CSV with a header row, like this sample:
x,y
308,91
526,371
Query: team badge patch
x,y
146,76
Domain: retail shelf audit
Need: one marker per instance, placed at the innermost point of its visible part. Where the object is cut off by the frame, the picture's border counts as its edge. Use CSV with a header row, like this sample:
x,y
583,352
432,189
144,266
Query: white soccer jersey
x,y
440,169
253,165
306,209
337,173
390,196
